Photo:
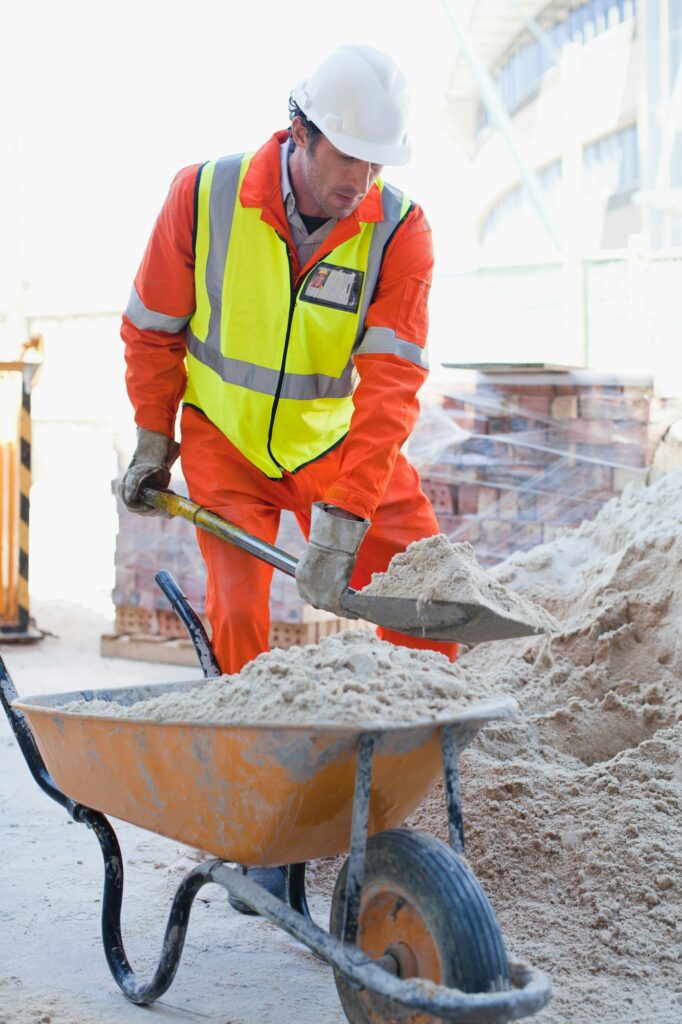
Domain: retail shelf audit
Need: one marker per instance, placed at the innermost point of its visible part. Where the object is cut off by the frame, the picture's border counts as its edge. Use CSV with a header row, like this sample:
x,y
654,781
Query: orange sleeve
x,y
155,370
385,401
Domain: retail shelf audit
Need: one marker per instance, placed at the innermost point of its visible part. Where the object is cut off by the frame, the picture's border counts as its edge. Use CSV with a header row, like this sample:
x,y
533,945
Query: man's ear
x,y
299,133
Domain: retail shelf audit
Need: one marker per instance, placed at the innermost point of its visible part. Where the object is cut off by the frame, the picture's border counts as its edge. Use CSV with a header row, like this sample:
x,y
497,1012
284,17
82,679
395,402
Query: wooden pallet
x,y
143,647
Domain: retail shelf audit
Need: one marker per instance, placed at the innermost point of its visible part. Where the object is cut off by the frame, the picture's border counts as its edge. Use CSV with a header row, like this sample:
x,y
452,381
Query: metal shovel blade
x,y
438,620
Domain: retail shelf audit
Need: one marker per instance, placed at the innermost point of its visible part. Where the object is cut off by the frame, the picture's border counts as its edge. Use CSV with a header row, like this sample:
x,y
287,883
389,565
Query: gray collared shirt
x,y
306,244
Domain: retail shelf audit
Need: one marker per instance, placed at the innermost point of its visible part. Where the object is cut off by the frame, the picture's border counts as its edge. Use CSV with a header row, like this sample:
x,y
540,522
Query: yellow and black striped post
x,y
17,379
24,499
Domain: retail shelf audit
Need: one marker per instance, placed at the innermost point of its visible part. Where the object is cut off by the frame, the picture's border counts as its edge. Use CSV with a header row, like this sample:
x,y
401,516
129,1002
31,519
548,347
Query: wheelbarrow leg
x,y
138,991
358,842
453,794
297,896
123,974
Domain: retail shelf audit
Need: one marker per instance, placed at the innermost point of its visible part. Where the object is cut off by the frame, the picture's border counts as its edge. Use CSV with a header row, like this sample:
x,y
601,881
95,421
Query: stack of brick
x,y
531,454
146,544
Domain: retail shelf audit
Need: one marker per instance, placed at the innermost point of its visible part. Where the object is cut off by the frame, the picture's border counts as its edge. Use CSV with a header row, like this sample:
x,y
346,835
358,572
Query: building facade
x,y
588,107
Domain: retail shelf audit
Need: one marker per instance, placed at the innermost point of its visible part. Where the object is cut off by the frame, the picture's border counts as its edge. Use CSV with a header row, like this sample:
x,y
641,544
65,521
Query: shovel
x,y
433,620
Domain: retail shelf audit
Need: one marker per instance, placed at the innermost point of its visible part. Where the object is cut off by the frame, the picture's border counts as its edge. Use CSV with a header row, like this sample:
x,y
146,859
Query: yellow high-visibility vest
x,y
270,364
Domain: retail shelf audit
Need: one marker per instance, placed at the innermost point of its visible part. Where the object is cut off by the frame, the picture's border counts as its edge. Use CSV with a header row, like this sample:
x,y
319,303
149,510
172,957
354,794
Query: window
x,y
516,205
611,164
519,76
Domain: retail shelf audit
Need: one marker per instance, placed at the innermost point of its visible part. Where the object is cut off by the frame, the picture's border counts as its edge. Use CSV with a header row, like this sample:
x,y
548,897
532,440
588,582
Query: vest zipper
x,y
280,382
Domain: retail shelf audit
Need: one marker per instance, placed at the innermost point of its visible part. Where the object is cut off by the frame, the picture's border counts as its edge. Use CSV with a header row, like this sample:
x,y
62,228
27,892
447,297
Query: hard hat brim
x,y
372,152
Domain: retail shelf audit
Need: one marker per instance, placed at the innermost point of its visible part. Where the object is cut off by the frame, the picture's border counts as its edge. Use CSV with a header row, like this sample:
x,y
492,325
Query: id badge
x,y
338,287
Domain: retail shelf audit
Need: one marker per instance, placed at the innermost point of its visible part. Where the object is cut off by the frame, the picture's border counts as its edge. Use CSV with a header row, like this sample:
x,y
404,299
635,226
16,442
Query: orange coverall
x,y
366,473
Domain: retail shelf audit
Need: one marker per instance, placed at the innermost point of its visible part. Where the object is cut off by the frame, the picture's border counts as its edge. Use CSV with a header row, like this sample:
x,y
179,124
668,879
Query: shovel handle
x,y
175,505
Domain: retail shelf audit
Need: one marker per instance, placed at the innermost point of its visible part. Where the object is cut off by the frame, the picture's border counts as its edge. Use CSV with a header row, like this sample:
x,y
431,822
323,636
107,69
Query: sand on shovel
x,y
433,569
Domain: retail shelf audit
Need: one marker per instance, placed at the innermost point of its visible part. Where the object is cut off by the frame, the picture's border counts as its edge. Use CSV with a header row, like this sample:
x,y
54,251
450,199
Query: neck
x,y
305,201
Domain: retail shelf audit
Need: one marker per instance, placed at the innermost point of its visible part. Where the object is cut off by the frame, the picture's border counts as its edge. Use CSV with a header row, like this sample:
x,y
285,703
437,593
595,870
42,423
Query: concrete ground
x,y
234,970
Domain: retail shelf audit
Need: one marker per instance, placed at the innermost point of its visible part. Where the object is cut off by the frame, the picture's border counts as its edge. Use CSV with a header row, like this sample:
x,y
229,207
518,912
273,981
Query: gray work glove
x,y
150,467
326,565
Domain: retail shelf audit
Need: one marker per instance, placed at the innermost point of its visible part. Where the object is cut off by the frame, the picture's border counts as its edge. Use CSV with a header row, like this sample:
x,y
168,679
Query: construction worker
x,y
282,299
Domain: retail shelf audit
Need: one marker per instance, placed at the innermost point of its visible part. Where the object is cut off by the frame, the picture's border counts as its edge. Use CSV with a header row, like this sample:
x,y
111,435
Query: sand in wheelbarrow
x,y
348,677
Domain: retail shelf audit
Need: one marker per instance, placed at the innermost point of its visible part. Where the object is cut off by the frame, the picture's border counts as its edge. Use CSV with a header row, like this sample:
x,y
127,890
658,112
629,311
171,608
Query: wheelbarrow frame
x,y
531,990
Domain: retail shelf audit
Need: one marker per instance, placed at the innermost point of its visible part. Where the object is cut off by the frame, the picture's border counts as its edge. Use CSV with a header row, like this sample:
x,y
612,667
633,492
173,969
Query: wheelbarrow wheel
x,y
422,905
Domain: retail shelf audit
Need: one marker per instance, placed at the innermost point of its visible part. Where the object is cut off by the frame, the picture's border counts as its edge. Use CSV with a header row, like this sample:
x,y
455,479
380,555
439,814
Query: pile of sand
x,y
573,810
350,677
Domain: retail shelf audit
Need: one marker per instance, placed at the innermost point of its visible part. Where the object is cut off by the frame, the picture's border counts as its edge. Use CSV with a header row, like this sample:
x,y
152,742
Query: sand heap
x,y
573,810
350,677
433,569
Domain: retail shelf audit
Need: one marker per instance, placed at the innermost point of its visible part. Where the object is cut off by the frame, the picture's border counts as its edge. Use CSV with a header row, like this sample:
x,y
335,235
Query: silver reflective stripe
x,y
392,201
302,386
149,319
224,189
384,341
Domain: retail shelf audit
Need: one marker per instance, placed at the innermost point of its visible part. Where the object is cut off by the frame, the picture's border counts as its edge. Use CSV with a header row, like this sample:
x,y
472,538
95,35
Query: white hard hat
x,y
358,99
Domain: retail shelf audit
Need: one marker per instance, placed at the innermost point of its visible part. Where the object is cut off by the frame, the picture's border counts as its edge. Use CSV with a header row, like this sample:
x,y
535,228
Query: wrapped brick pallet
x,y
509,459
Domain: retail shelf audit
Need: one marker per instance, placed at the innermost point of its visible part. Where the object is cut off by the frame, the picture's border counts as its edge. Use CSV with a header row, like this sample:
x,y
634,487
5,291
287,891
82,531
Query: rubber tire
x,y
455,909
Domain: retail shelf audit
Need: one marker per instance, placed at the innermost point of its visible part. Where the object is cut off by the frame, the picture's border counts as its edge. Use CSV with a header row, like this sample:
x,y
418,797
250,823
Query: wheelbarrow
x,y
412,936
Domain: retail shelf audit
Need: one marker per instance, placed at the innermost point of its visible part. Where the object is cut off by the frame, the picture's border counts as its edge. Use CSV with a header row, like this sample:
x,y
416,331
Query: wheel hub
x,y
393,931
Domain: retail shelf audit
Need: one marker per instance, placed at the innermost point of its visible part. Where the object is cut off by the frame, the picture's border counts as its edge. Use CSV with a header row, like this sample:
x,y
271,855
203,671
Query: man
x,y
282,299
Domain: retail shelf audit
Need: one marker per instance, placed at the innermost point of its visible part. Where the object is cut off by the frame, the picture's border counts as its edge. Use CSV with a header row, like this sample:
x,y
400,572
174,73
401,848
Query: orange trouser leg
x,y
238,589
238,584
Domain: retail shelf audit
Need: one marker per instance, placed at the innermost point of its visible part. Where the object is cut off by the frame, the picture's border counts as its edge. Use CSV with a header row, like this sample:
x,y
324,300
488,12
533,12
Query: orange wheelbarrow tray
x,y
259,794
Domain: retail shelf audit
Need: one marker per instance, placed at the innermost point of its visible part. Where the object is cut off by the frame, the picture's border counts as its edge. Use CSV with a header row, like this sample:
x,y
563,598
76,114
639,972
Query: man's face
x,y
328,180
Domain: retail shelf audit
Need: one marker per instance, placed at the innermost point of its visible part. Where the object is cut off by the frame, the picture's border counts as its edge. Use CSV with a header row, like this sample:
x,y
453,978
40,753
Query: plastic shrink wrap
x,y
508,459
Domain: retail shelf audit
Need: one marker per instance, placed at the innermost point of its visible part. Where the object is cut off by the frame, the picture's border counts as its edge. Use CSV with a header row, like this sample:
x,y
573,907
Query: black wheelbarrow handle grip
x,y
176,505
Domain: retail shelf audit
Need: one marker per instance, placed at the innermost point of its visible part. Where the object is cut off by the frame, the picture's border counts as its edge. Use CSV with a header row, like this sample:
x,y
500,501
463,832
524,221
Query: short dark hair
x,y
312,131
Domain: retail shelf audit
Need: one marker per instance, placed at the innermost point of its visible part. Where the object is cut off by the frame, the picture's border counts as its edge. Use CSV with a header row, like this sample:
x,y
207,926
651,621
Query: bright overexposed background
x,y
102,104
108,100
